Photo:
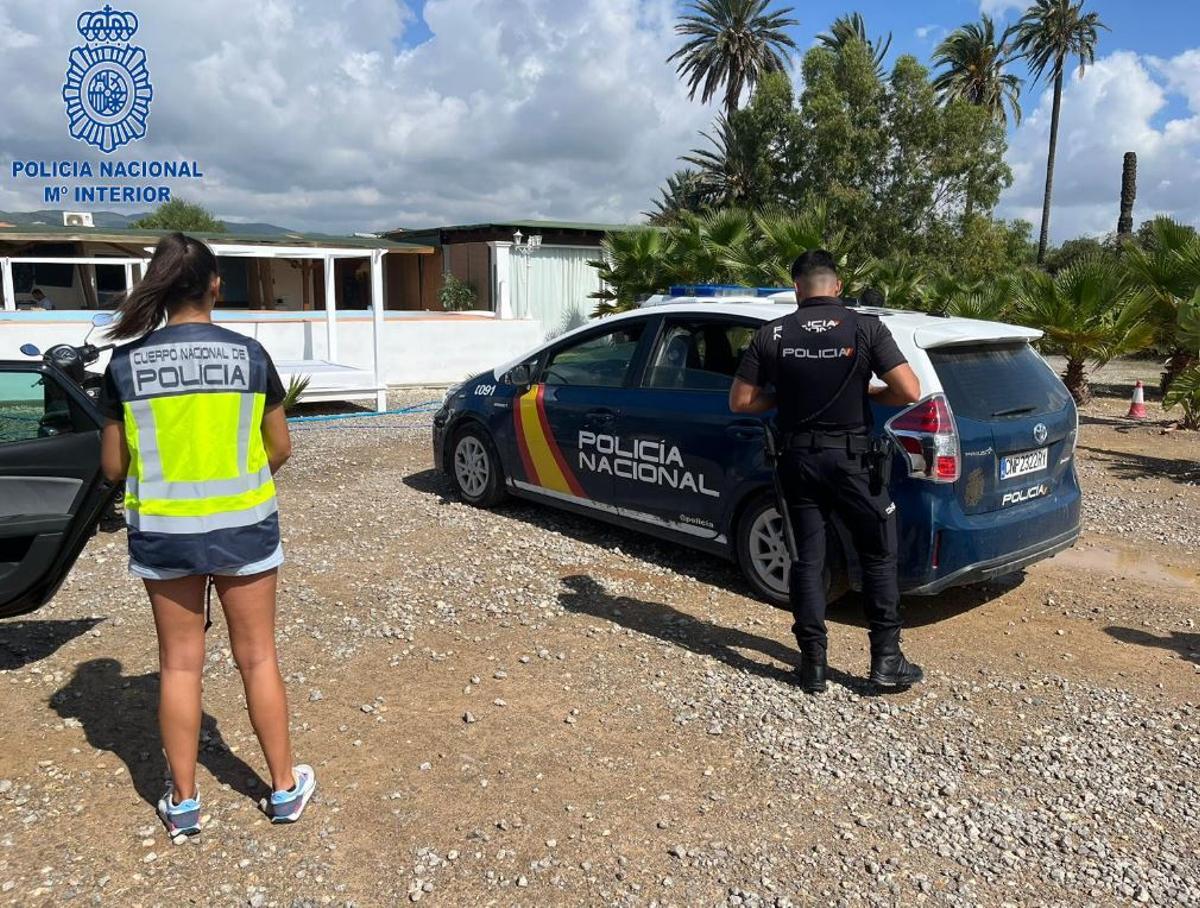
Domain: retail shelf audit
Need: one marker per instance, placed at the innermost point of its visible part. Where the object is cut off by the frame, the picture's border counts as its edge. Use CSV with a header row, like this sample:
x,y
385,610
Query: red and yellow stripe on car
x,y
540,454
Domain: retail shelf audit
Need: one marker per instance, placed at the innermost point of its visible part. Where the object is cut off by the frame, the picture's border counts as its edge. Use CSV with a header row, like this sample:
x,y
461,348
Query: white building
x,y
343,311
522,269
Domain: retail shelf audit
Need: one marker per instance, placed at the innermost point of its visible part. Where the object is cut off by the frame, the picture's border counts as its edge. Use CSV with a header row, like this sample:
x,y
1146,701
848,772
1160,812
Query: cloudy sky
x,y
343,115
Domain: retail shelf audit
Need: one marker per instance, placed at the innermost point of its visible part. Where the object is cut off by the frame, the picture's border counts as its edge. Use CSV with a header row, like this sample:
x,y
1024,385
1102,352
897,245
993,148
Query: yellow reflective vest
x,y
199,497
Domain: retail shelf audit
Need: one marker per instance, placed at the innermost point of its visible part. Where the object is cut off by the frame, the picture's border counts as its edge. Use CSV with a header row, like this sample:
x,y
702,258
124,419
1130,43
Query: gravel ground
x,y
520,707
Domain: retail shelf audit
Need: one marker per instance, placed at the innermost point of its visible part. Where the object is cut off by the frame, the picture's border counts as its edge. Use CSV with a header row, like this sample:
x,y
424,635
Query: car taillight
x,y
1072,441
927,435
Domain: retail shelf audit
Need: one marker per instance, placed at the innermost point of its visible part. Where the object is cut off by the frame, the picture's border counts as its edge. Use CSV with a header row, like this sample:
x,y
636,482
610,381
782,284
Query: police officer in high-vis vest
x,y
196,429
814,367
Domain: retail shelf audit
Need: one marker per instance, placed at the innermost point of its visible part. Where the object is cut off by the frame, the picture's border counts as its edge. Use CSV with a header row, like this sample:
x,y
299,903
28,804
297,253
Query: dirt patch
x,y
519,706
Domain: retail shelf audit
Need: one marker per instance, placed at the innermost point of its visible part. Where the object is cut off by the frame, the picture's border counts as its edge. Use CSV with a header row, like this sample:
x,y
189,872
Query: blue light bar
x,y
718,290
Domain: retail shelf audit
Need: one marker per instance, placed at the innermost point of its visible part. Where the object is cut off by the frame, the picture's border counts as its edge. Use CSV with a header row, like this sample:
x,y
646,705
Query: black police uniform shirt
x,y
808,355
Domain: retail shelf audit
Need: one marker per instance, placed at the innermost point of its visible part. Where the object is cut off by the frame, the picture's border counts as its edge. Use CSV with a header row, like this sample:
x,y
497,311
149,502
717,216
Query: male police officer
x,y
819,360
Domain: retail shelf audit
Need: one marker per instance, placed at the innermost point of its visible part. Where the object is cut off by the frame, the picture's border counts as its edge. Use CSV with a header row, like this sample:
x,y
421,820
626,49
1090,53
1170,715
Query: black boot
x,y
889,668
811,673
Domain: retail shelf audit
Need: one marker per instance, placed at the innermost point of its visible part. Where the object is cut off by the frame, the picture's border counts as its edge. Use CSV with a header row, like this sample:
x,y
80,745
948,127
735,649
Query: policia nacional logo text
x,y
656,463
167,368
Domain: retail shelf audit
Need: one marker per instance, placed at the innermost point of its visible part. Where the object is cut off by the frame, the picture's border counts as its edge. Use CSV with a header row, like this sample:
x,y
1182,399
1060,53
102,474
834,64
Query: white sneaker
x,y
182,819
287,806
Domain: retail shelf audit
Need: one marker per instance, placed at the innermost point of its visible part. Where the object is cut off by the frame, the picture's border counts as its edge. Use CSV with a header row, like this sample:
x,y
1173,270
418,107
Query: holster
x,y
772,444
879,463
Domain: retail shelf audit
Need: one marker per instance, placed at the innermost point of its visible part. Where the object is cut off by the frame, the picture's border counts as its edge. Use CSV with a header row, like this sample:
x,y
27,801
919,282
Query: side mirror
x,y
30,350
519,375
103,319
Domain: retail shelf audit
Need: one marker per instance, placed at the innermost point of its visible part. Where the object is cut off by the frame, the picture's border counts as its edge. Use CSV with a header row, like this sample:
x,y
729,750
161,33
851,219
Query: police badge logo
x,y
108,88
820,325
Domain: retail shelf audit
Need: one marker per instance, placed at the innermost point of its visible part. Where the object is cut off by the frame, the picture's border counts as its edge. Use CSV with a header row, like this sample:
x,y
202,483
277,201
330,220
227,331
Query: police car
x,y
627,420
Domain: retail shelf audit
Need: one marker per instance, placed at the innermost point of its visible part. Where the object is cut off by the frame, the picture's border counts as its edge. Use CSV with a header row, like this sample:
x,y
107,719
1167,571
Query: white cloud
x,y
998,8
1115,107
303,112
931,32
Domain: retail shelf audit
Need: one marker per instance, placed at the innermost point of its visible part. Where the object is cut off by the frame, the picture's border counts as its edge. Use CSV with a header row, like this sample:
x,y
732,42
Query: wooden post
x,y
87,281
268,276
377,326
306,272
6,277
331,339
502,302
253,285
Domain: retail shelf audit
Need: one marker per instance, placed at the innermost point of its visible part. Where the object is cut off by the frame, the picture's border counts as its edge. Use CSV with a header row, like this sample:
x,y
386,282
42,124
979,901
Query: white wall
x,y
553,286
289,283
422,349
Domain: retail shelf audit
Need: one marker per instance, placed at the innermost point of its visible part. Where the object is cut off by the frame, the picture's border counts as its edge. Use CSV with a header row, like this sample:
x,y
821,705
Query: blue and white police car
x,y
627,420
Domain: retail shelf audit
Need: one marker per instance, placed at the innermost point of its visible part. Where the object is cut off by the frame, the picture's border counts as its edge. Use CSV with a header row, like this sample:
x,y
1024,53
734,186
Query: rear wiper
x,y
1014,411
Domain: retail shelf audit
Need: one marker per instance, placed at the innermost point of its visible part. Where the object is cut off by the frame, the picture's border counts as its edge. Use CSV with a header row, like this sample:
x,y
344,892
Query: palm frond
x,y
1051,31
732,44
974,62
1087,311
853,28
1185,392
295,392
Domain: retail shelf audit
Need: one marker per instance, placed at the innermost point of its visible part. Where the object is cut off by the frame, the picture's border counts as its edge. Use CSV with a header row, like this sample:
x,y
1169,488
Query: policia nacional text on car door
x,y
628,421
52,492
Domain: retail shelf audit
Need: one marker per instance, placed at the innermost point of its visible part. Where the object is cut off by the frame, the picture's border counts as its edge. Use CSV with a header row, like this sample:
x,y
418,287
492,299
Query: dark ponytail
x,y
181,271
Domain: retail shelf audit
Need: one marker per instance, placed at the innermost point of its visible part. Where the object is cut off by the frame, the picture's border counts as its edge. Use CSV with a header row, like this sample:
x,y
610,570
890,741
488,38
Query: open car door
x,y
52,492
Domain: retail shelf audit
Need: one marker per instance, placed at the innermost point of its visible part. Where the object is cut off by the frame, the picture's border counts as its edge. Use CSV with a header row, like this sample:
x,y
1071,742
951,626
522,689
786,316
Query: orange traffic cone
x,y
1137,406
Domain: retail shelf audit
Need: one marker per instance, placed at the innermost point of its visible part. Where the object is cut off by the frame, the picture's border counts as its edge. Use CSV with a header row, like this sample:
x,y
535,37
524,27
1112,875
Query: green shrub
x,y
457,295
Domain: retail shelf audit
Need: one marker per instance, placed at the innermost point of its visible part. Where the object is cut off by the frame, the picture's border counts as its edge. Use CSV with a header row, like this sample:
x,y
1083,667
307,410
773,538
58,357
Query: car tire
x,y
475,468
763,557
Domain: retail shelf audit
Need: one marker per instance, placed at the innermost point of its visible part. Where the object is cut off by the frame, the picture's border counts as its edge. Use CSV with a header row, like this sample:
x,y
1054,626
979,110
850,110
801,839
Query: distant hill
x,y
113,221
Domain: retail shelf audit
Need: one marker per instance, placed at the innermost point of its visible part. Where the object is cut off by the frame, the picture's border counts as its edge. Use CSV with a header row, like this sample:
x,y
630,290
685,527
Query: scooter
x,y
73,361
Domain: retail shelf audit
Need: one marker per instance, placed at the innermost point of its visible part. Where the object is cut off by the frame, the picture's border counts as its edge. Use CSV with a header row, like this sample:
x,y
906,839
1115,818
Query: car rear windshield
x,y
994,381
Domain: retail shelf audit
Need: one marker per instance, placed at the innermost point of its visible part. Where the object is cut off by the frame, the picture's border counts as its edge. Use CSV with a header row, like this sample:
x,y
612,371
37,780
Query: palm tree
x,y
901,280
991,300
732,43
685,191
781,235
1089,315
1128,195
711,248
726,171
1165,269
1049,33
1185,389
634,265
853,27
974,62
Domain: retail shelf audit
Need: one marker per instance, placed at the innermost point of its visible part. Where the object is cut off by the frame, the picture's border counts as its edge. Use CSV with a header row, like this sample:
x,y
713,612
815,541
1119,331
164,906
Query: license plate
x,y
1021,464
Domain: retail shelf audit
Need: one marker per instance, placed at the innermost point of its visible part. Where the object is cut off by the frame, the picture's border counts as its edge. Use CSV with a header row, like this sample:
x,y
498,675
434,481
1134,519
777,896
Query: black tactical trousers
x,y
830,481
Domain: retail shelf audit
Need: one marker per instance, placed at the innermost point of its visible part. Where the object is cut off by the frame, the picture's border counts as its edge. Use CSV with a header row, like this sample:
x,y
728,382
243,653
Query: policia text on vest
x,y
173,367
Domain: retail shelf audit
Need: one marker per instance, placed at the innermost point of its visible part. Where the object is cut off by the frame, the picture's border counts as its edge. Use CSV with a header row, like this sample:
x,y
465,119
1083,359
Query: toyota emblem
x,y
1040,432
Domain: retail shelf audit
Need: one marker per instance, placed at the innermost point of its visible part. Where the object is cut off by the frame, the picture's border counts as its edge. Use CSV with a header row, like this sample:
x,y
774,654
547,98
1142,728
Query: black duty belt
x,y
851,443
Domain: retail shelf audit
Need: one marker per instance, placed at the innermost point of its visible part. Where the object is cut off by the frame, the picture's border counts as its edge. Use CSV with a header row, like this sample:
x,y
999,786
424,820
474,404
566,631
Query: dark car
x,y
627,420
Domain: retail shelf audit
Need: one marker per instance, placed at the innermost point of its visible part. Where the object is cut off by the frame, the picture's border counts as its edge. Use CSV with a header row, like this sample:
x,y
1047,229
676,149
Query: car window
x,y
32,406
599,362
989,380
698,355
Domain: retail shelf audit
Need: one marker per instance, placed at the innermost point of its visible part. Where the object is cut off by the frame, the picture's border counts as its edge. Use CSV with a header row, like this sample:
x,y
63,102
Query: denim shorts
x,y
257,567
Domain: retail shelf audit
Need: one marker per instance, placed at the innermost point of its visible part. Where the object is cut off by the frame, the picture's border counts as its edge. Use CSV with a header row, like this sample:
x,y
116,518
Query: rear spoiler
x,y
961,332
